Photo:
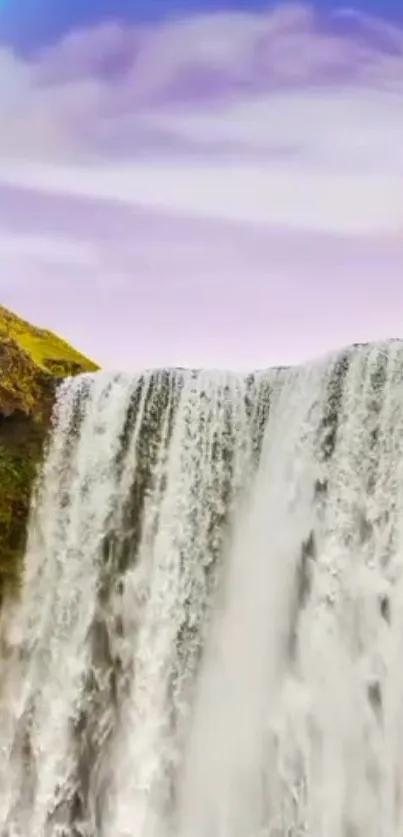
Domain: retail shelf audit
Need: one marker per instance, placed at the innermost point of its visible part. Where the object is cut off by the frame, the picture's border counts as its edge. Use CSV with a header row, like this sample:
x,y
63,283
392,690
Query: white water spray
x,y
209,635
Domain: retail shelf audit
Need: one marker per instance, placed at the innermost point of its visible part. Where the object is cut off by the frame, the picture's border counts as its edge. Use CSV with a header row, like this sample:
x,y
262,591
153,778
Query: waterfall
x,y
208,637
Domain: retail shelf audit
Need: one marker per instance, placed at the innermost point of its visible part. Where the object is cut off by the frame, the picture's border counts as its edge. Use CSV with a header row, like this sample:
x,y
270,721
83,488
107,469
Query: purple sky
x,y
222,190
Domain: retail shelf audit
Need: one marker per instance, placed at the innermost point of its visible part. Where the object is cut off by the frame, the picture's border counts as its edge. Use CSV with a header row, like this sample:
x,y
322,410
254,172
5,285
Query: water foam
x,y
208,638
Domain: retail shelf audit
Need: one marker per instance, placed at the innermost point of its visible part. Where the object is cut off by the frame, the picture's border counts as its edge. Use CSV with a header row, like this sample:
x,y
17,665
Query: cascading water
x,y
209,634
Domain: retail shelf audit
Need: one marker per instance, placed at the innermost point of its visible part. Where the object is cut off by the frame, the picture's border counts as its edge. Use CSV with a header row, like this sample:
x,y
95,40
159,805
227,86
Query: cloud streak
x,y
139,288
144,83
222,175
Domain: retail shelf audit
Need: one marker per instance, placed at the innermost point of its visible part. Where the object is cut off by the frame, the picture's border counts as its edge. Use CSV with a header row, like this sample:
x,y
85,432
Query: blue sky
x,y
28,25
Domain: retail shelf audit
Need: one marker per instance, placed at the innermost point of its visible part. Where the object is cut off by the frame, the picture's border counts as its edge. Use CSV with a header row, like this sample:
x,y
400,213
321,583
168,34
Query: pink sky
x,y
257,222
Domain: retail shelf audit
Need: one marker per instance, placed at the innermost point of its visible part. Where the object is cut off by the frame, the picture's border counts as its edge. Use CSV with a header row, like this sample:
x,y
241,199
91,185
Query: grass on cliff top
x,y
46,350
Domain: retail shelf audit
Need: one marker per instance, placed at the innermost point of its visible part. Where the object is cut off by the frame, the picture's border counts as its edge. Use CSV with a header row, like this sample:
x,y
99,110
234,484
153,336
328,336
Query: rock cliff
x,y
32,363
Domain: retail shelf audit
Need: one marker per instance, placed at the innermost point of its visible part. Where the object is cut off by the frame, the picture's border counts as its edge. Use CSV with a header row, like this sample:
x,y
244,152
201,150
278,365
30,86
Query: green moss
x,y
17,470
32,362
48,351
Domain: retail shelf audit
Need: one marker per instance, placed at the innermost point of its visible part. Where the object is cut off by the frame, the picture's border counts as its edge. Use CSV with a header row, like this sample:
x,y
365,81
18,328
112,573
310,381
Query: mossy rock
x,y
32,364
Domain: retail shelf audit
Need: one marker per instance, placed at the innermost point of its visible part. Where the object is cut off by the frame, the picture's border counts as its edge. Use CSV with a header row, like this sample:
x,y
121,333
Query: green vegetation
x,y
45,349
32,362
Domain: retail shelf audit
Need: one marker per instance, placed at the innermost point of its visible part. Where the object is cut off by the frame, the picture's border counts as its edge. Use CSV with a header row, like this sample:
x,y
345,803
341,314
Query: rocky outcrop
x,y
32,363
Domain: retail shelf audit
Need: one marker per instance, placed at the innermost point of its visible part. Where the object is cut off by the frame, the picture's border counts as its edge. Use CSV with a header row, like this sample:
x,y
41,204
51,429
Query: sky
x,y
203,183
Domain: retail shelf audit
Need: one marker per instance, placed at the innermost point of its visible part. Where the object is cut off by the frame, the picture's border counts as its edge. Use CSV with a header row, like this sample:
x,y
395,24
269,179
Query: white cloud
x,y
69,100
195,291
20,248
323,153
289,217
356,128
302,197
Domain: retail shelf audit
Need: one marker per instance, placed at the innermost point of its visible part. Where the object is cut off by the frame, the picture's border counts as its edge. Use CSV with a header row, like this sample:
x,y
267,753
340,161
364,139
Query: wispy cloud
x,y
291,195
139,288
250,168
113,88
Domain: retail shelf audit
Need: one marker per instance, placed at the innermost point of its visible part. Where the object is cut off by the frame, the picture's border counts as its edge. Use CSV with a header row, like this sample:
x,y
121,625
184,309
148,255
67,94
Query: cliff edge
x,y
32,363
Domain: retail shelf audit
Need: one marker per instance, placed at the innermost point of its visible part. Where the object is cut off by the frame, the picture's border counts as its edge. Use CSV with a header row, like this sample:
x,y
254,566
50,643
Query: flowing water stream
x,y
209,638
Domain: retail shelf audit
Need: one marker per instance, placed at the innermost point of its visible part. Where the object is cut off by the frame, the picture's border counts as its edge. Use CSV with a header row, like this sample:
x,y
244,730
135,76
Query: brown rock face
x,y
32,363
